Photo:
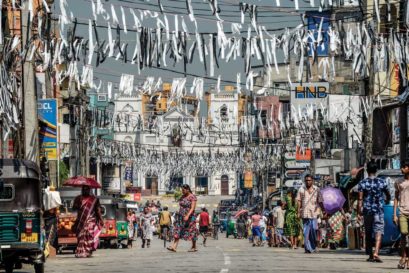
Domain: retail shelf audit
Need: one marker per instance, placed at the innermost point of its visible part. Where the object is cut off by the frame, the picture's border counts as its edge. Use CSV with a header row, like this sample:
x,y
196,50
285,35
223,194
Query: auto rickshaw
x,y
21,225
122,224
109,233
231,226
67,239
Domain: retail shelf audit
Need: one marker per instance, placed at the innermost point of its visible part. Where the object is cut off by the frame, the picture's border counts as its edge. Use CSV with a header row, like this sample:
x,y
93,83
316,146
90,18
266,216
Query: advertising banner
x,y
128,175
47,123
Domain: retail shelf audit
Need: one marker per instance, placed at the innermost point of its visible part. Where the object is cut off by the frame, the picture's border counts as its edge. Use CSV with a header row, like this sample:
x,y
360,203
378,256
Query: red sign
x,y
303,155
137,197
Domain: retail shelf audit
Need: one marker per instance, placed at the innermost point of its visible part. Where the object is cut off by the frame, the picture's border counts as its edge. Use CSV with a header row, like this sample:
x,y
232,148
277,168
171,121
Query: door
x,y
154,186
224,185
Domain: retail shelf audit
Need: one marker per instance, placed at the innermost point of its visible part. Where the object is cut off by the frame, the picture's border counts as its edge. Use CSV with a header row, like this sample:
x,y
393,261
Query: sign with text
x,y
309,100
128,175
317,90
47,123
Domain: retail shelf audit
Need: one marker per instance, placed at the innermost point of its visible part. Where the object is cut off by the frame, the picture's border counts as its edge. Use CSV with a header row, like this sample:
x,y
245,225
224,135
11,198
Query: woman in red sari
x,y
89,222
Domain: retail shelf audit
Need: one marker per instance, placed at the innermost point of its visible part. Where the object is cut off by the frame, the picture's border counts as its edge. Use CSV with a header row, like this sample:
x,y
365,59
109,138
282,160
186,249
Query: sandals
x,y
192,250
376,259
402,265
171,249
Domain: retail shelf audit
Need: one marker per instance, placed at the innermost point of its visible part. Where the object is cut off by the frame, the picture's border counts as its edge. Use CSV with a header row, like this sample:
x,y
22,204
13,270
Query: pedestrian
x,y
136,225
88,224
248,227
215,223
131,227
292,222
401,201
278,214
335,231
263,228
241,226
371,199
165,221
309,199
271,238
158,204
185,226
146,222
204,221
255,228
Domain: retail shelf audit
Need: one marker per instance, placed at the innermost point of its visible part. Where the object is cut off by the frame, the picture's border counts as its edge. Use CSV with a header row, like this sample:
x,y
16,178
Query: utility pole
x,y
30,133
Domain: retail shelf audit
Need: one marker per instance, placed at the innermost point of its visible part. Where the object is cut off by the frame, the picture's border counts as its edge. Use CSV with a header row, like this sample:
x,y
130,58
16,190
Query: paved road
x,y
224,255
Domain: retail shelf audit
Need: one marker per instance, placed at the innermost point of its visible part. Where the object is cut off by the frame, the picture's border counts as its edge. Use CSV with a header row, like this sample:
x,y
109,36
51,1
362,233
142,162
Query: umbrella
x,y
79,181
333,199
243,211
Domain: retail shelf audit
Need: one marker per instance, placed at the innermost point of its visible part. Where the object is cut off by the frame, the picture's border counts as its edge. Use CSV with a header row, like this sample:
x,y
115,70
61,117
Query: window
x,y
127,108
103,211
7,193
224,113
263,114
66,118
128,139
102,98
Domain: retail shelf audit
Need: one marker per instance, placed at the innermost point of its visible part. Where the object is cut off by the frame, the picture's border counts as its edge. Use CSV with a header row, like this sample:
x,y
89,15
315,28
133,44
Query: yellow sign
x,y
248,179
32,238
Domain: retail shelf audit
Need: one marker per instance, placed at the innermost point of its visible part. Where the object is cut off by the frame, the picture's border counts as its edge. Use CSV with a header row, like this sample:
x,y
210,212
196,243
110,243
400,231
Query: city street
x,y
223,255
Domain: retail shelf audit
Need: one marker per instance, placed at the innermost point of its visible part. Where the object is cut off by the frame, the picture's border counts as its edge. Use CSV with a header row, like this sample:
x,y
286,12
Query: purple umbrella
x,y
333,199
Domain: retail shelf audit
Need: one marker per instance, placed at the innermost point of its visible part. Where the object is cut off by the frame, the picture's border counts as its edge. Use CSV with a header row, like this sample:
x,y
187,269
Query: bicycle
x,y
165,235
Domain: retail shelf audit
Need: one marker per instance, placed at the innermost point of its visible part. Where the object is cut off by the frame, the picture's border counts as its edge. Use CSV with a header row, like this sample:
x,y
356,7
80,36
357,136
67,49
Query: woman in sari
x,y
88,223
292,223
185,226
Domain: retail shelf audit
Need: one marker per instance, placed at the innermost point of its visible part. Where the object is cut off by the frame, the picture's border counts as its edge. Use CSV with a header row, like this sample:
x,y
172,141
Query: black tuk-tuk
x,y
21,223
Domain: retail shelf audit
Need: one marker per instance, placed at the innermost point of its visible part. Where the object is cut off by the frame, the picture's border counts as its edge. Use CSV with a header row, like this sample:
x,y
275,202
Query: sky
x,y
268,15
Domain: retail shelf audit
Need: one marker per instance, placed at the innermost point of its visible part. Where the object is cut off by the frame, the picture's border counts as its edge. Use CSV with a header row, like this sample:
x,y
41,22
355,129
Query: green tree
x,y
64,171
178,194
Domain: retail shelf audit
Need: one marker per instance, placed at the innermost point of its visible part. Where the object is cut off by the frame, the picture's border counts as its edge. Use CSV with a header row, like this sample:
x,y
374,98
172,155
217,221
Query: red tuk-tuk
x,y
109,233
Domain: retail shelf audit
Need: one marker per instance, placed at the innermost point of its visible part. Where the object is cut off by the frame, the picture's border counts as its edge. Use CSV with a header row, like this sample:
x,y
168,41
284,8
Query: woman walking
x,y
146,227
185,226
131,228
88,224
335,231
292,223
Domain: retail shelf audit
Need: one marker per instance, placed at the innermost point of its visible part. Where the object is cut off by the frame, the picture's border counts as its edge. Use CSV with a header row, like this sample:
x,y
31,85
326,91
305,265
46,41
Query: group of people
x,y
299,212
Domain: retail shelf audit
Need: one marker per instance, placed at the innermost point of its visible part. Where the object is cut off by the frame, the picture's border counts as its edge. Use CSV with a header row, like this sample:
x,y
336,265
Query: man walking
x,y
204,221
402,201
371,198
255,229
278,213
309,198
